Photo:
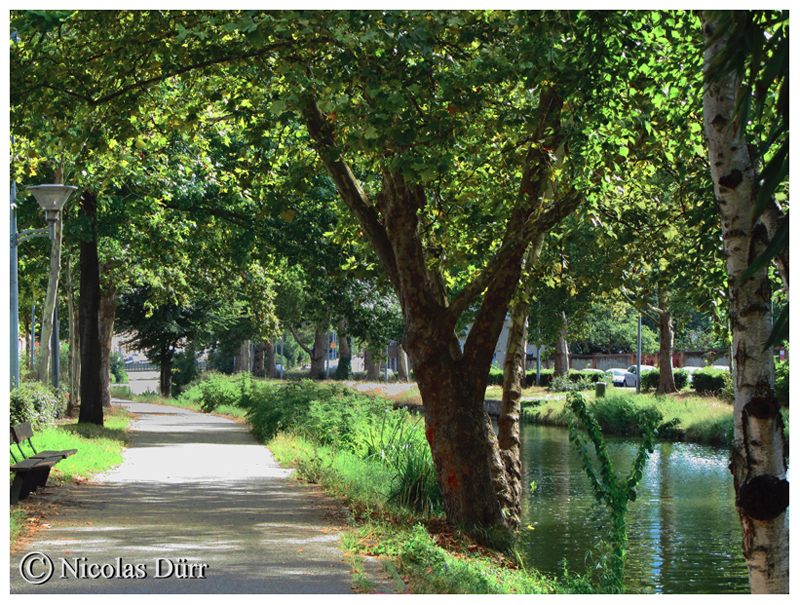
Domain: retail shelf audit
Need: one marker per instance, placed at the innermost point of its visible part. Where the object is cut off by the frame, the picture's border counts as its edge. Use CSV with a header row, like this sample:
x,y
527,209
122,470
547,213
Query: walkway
x,y
196,496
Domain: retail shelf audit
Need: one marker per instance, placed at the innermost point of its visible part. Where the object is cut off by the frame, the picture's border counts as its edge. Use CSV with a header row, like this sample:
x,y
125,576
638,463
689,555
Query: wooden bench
x,y
31,471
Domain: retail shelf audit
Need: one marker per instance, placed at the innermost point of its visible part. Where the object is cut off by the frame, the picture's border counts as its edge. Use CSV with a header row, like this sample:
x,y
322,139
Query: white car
x,y
630,375
617,376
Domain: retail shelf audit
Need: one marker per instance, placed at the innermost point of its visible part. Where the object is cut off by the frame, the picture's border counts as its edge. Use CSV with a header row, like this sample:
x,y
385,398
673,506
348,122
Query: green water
x,y
683,530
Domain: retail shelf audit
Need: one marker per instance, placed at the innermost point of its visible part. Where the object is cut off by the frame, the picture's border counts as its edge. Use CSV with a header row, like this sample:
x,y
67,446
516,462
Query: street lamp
x,y
51,199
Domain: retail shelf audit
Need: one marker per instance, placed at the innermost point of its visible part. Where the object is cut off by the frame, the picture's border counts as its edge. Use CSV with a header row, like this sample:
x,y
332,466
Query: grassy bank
x,y
99,449
683,417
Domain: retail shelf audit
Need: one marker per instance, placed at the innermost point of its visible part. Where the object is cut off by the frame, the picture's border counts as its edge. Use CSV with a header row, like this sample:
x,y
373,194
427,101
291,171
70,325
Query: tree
x,y
757,460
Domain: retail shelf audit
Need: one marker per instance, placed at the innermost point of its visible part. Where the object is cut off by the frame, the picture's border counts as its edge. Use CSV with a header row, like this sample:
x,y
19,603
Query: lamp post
x,y
51,199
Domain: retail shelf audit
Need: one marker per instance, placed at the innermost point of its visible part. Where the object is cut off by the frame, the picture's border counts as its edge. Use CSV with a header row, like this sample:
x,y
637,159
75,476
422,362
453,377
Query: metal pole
x,y
54,349
387,364
639,357
283,359
14,292
538,365
328,354
33,336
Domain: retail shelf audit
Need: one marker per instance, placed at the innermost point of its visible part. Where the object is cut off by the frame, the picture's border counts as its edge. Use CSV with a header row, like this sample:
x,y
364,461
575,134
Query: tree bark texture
x,y
561,361
92,394
757,460
452,383
74,341
166,358
108,308
50,302
666,331
513,383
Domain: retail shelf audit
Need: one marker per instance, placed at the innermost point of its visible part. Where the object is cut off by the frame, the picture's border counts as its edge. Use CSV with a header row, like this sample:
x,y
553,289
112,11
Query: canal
x,y
683,529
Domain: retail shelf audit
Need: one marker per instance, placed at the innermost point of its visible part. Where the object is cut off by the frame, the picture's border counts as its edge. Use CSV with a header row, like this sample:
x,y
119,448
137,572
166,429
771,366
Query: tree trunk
x,y
511,406
373,369
243,358
51,300
166,359
666,376
259,365
452,383
108,307
270,369
403,371
74,342
317,353
757,460
92,392
561,364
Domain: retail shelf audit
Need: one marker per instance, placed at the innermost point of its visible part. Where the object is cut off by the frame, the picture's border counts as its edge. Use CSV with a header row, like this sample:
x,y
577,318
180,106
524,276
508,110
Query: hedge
x,y
710,380
35,403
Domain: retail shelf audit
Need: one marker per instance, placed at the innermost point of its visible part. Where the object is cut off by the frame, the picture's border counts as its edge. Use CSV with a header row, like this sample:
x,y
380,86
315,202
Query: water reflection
x,y
683,530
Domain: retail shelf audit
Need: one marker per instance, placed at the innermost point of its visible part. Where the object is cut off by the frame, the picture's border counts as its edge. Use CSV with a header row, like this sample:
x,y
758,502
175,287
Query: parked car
x,y
631,378
616,376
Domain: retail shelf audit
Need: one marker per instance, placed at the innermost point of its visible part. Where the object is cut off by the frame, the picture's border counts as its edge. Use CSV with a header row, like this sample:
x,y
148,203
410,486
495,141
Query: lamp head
x,y
51,199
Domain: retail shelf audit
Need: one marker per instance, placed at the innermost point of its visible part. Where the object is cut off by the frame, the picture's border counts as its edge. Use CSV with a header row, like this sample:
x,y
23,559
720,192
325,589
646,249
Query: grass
x,y
431,556
685,416
99,449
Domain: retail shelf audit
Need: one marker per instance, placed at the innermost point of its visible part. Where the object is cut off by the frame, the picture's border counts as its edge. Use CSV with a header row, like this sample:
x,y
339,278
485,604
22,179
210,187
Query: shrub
x,y
185,370
218,391
681,378
545,376
650,379
118,373
36,403
575,381
495,377
710,380
343,370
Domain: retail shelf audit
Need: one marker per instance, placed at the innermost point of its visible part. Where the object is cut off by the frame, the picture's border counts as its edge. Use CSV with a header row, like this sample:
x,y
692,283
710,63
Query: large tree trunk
x,y
452,384
260,366
317,353
511,405
92,392
372,368
757,460
561,364
108,307
666,376
243,358
74,342
166,359
51,300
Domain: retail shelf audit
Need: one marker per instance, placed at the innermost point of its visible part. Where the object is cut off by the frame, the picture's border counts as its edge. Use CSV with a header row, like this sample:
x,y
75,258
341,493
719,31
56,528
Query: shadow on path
x,y
195,495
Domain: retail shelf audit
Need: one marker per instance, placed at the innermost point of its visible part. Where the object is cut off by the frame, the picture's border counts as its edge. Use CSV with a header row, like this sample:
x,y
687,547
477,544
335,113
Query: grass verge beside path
x,y
99,449
430,556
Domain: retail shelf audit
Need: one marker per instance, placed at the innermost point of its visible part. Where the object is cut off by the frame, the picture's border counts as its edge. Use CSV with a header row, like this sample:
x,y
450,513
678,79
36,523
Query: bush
x,y
343,370
495,377
650,379
711,380
218,391
185,370
118,374
36,403
545,377
575,381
